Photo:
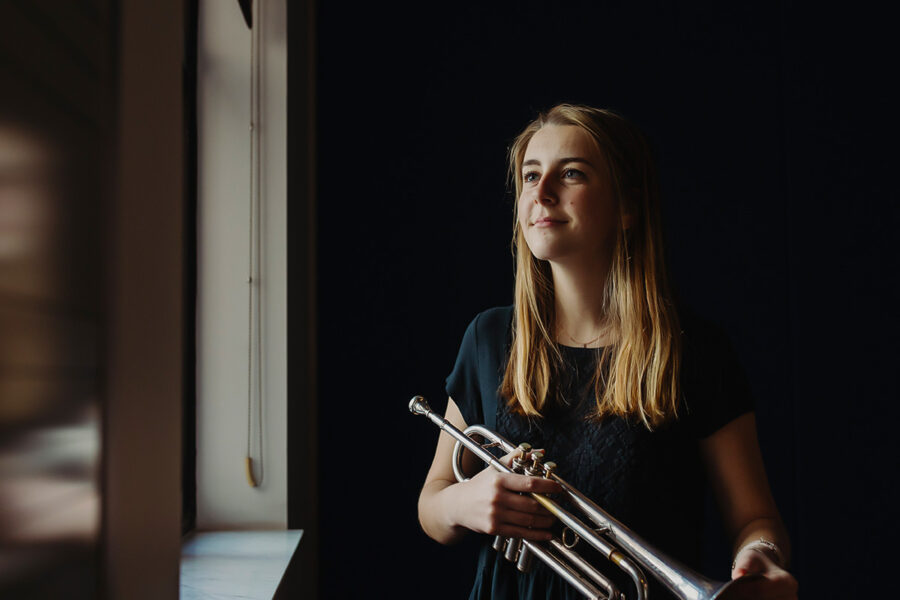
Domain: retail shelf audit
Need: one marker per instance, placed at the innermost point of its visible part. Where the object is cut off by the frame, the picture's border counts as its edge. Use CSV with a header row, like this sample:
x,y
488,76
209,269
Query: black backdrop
x,y
775,140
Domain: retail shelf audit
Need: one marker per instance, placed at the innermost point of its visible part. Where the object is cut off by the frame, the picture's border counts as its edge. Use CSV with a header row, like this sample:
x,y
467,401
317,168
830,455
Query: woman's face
x,y
567,212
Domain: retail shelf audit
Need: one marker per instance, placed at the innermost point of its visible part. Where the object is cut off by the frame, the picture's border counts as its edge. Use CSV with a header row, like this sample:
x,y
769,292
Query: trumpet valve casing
x,y
526,558
512,549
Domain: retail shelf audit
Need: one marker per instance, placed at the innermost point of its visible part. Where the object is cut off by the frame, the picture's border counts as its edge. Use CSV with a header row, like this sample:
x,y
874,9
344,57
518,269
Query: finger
x,y
747,589
527,520
524,503
750,561
754,588
783,584
507,459
527,483
770,582
517,531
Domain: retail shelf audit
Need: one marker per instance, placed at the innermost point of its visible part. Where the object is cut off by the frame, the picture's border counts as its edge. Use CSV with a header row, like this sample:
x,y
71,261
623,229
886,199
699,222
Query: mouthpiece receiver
x,y
419,406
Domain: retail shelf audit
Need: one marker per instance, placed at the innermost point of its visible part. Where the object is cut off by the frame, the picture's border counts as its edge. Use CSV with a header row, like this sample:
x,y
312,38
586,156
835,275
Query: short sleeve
x,y
474,383
715,387
463,384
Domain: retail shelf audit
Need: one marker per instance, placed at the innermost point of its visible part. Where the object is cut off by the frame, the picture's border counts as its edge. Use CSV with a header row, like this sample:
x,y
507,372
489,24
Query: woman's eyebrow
x,y
575,159
570,159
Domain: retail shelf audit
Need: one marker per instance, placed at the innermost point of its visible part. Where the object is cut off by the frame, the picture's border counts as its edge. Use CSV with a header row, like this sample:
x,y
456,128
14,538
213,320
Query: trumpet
x,y
559,554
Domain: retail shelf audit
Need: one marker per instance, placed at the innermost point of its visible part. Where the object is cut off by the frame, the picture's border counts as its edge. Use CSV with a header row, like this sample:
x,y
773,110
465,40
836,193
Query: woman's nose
x,y
545,192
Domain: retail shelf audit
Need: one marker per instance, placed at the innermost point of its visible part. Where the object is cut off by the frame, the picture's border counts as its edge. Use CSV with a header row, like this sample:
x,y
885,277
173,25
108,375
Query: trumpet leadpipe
x,y
419,406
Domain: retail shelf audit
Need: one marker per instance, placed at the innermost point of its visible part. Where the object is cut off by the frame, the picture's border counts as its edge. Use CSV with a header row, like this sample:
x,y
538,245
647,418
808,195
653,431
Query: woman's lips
x,y
548,222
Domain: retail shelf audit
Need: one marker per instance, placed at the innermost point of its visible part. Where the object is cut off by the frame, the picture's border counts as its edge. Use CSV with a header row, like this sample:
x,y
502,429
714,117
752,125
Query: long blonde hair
x,y
637,375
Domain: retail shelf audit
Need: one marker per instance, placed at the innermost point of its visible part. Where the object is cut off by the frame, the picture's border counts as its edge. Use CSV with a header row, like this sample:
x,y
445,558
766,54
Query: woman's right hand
x,y
490,502
498,504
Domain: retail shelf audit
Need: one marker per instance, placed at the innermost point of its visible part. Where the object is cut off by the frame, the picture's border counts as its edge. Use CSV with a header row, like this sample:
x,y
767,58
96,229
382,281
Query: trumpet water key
x,y
606,536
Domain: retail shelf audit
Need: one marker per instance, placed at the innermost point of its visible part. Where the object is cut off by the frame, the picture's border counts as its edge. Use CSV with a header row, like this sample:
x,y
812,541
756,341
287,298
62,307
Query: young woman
x,y
639,403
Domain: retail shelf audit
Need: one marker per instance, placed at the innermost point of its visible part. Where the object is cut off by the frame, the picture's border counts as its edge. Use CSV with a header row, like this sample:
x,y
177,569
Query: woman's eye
x,y
572,173
530,177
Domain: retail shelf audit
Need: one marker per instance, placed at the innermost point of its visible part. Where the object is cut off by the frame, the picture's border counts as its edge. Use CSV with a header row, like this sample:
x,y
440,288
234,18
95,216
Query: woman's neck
x,y
578,298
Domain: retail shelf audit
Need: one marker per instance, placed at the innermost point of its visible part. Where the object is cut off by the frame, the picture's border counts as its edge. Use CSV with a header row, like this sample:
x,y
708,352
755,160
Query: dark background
x,y
775,139
775,131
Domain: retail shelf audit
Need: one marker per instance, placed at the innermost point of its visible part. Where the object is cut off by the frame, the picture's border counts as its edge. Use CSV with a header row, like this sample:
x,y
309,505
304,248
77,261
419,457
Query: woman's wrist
x,y
449,504
766,547
436,512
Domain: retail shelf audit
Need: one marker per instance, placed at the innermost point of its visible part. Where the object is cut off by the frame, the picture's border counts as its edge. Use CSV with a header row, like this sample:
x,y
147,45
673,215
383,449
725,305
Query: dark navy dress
x,y
653,482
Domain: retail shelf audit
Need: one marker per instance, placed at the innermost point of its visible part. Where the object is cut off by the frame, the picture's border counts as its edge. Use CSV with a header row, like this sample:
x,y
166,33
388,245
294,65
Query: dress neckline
x,y
578,348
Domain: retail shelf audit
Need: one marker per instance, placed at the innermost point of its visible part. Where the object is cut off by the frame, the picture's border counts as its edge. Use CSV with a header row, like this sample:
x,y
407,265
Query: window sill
x,y
235,564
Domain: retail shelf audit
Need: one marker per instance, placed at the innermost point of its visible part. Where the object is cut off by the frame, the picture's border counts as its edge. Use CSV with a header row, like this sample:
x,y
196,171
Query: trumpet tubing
x,y
607,535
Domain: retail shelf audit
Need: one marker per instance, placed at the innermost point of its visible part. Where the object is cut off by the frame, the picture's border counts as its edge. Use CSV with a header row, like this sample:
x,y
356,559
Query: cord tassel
x,y
248,465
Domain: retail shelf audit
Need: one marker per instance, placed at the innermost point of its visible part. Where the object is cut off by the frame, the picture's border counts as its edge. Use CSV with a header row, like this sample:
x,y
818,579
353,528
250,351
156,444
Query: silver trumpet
x,y
559,554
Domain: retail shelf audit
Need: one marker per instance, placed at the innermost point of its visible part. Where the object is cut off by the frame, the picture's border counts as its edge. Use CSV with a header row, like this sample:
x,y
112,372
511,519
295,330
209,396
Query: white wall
x,y
224,498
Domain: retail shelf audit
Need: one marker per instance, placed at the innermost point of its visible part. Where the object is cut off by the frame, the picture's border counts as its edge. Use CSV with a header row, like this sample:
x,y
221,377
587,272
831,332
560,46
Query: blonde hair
x,y
637,375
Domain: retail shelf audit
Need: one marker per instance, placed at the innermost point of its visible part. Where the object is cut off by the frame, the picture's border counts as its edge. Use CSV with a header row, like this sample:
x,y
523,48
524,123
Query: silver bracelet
x,y
755,545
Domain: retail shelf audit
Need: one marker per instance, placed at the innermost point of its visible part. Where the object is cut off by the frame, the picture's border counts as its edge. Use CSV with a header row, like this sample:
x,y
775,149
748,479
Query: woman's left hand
x,y
775,583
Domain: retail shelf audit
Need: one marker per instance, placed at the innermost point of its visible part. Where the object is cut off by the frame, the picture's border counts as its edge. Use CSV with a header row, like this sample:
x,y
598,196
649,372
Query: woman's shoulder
x,y
493,321
490,330
715,386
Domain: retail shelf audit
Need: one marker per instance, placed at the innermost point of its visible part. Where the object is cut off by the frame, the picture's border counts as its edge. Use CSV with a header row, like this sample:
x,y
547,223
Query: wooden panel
x,y
56,66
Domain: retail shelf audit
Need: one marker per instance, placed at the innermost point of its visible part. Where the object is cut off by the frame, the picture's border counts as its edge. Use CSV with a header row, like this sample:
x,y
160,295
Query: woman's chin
x,y
553,254
546,251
